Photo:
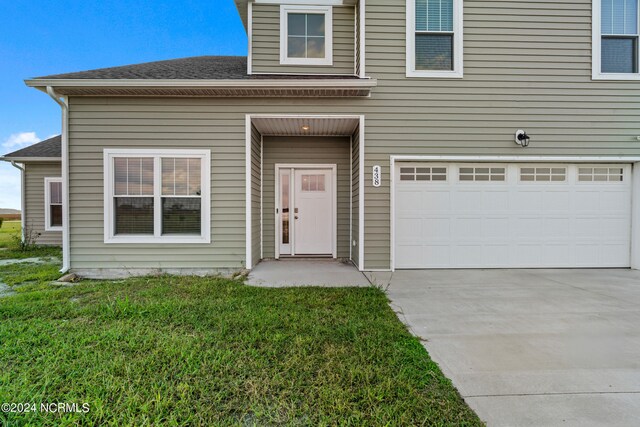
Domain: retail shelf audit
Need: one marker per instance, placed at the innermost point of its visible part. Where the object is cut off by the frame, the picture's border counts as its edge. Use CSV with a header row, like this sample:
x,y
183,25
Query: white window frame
x,y
458,44
47,202
327,11
596,48
109,215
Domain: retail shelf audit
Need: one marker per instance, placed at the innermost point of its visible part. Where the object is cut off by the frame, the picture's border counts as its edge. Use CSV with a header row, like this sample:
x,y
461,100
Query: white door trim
x,y
635,216
248,177
334,188
635,186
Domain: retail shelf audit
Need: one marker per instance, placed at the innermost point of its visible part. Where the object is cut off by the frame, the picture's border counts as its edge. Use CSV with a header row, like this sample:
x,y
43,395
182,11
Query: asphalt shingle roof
x,y
194,68
51,147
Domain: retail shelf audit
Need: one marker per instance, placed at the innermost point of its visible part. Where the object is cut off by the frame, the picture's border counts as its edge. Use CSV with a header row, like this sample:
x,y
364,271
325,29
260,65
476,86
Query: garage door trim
x,y
635,185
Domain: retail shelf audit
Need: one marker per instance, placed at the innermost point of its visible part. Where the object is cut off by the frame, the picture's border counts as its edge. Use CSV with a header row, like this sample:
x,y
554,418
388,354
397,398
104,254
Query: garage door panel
x,y
556,228
406,200
495,201
528,200
465,201
409,229
437,228
467,228
556,201
615,201
546,217
611,255
435,201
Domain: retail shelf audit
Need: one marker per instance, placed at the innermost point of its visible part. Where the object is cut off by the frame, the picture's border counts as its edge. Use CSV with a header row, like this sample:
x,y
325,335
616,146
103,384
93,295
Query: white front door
x,y
313,212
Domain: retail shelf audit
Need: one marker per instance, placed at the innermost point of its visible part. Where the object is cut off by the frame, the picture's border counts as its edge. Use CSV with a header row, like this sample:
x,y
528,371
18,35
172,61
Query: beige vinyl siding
x,y
34,201
306,150
266,43
98,123
355,197
256,194
532,74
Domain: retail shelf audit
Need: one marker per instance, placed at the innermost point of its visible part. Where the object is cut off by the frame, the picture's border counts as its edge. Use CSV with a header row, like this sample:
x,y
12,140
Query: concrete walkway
x,y
532,347
306,272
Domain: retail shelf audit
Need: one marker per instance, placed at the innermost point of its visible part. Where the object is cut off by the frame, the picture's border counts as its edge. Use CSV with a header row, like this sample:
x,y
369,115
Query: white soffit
x,y
297,126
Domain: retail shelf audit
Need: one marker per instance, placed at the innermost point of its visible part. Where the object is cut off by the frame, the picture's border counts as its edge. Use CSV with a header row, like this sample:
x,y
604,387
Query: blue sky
x,y
41,37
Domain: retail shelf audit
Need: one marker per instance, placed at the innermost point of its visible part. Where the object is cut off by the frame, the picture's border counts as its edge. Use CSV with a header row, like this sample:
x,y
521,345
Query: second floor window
x,y
616,39
306,35
620,36
434,38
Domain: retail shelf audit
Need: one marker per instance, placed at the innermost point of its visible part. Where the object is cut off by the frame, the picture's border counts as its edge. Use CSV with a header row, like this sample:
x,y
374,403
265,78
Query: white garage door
x,y
512,215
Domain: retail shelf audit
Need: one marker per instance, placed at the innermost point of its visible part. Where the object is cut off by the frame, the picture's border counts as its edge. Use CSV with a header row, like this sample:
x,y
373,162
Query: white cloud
x,y
22,139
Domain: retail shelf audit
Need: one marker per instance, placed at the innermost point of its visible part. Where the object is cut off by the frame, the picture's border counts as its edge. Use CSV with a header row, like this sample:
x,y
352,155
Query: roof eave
x,y
175,83
248,87
30,159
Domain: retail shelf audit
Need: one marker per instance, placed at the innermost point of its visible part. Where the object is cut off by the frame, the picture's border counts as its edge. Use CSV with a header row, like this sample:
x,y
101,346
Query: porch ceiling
x,y
306,126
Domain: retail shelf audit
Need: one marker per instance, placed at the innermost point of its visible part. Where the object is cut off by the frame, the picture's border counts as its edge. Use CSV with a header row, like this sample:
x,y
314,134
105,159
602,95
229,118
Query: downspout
x,y
64,105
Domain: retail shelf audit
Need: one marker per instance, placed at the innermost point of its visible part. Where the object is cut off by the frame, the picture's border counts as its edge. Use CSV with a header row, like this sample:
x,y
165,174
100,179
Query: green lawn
x,y
7,231
205,351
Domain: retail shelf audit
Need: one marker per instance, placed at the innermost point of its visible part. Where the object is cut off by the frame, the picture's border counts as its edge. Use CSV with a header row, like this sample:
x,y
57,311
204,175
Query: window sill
x,y
164,240
436,74
306,62
54,229
616,76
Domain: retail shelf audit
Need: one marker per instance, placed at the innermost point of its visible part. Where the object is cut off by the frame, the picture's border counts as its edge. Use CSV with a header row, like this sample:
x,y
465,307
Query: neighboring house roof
x,y
200,75
49,149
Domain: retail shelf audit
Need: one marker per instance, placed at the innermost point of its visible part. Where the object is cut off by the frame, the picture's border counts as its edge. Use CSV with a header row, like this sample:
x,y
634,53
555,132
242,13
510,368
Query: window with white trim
x,y
435,38
157,196
600,174
483,173
543,174
306,35
423,174
616,39
53,204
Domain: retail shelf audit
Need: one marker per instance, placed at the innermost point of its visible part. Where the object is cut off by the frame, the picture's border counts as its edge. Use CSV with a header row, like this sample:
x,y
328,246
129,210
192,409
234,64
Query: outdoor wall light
x,y
522,139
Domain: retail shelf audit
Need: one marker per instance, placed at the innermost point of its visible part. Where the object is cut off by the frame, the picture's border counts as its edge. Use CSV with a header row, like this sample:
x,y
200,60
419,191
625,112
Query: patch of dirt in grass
x,y
5,290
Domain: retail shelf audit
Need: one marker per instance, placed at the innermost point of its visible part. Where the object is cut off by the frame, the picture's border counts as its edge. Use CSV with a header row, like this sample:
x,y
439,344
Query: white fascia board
x,y
249,83
30,159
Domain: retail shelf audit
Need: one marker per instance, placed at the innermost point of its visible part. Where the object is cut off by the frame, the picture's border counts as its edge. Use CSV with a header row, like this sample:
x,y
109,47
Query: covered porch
x,y
303,187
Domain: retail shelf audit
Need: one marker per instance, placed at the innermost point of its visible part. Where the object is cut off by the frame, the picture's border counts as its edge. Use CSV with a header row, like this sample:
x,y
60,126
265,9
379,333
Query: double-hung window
x,y
616,36
306,35
435,38
157,196
53,204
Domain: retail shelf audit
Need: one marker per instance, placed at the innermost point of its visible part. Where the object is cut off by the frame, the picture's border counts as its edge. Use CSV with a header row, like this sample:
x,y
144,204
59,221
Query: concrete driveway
x,y
532,347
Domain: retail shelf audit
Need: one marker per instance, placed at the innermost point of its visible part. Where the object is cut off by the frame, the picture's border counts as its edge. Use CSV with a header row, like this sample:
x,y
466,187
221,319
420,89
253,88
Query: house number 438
x,y
377,176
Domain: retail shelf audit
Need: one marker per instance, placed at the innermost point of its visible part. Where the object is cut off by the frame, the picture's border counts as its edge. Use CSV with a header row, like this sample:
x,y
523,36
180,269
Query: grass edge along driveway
x,y
208,351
